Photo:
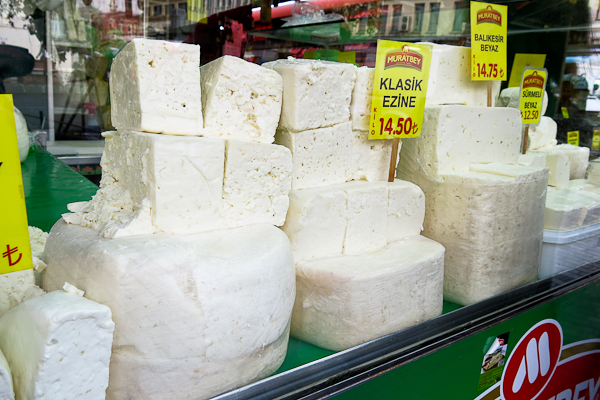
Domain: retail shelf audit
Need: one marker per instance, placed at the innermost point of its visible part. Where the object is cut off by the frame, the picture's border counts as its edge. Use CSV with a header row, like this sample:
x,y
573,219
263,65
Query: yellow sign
x,y
573,138
14,235
520,62
399,89
196,11
596,141
565,112
533,85
488,41
347,57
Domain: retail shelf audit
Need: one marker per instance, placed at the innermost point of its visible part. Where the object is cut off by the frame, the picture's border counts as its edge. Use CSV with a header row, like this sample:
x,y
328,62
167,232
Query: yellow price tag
x,y
565,112
533,85
14,235
347,57
488,41
596,141
399,89
196,11
520,62
573,138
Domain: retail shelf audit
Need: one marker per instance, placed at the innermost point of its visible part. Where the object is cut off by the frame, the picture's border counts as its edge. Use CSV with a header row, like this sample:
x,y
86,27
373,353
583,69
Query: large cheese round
x,y
195,315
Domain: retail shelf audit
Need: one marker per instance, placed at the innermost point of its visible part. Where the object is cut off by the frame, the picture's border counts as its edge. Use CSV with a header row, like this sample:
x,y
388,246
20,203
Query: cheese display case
x,y
245,240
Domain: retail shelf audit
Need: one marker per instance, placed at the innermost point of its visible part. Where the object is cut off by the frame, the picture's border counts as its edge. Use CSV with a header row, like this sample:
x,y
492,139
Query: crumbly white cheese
x,y
321,157
360,107
511,97
13,287
454,137
533,159
560,169
542,135
450,78
578,157
344,301
493,243
315,93
6,386
406,210
240,100
156,183
371,158
22,134
155,87
195,315
258,179
37,241
58,347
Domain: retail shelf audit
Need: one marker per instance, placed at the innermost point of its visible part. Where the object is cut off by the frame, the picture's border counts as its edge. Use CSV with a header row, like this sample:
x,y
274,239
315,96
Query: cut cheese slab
x,y
360,107
450,78
321,157
542,135
58,347
560,169
315,93
533,160
371,157
258,179
345,301
456,136
13,287
569,199
593,173
188,309
406,210
155,87
241,100
562,212
578,157
6,386
156,183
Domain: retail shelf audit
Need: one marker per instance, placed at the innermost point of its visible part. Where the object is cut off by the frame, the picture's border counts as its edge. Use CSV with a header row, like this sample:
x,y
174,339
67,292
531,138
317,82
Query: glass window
x,y
157,10
419,14
434,16
461,16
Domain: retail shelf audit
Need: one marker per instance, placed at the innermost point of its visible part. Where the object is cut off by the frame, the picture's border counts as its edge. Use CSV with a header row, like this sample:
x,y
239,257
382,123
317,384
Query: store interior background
x,y
55,55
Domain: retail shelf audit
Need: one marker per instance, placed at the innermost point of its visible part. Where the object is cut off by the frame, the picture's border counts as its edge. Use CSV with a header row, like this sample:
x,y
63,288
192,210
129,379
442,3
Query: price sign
x,y
15,250
488,41
573,138
596,141
565,112
533,85
520,62
399,89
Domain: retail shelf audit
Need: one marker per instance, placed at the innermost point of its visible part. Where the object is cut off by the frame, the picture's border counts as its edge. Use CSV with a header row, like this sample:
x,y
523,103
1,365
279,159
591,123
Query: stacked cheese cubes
x,y
181,239
484,208
362,268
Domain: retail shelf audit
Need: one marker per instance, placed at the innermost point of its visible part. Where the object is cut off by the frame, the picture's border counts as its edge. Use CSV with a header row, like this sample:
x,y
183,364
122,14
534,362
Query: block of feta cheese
x,y
360,107
371,157
578,157
542,135
155,87
560,169
258,179
593,172
6,386
406,210
58,346
156,183
570,199
562,212
321,157
195,315
240,100
454,137
450,78
493,242
532,159
13,286
581,184
511,97
315,93
345,301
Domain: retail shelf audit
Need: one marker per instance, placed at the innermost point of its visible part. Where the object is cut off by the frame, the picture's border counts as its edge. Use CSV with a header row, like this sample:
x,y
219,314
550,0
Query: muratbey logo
x,y
404,58
533,80
489,15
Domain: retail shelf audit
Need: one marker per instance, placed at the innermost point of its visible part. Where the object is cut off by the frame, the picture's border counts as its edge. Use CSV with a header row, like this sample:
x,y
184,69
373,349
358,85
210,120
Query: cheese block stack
x,y
181,239
362,268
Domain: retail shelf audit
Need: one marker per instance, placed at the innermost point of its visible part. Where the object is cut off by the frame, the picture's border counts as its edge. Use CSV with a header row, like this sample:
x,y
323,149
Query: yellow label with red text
x,y
15,251
533,85
596,141
399,89
573,138
488,41
565,112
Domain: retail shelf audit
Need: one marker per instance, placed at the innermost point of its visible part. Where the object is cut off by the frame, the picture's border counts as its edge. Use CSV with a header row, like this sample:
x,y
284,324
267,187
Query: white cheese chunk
x,y
562,212
406,210
560,169
240,100
593,172
533,159
195,315
321,157
588,201
344,301
371,157
450,78
13,287
511,97
58,347
582,184
542,135
366,216
156,183
37,241
155,87
315,93
578,157
360,107
6,386
258,179
454,137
